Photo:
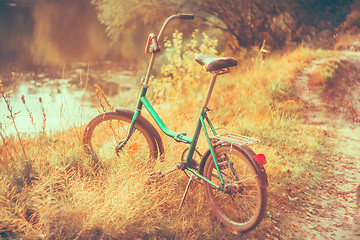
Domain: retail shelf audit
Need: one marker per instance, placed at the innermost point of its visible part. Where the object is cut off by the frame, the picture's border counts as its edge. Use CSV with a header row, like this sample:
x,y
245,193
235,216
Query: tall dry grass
x,y
67,199
60,195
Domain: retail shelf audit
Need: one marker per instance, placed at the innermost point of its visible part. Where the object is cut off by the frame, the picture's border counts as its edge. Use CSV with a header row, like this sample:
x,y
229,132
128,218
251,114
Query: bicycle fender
x,y
151,129
249,154
260,170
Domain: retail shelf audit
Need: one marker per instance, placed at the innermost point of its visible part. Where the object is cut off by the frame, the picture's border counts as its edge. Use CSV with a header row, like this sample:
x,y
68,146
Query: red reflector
x,y
260,159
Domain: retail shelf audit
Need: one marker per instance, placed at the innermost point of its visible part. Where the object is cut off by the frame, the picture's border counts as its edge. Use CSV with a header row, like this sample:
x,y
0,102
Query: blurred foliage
x,y
248,22
117,15
277,21
181,73
127,23
120,15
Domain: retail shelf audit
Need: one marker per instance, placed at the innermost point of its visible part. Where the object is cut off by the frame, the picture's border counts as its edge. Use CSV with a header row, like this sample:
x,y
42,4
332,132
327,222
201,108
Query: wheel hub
x,y
233,189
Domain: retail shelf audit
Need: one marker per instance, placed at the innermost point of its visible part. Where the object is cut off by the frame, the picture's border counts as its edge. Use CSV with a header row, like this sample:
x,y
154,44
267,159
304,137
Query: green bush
x,y
181,73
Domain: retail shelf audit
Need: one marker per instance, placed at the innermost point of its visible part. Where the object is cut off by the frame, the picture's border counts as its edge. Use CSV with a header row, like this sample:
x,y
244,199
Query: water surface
x,y
67,96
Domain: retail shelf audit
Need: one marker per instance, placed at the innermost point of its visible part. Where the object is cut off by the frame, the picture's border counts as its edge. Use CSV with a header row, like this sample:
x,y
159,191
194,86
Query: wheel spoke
x,y
107,131
241,205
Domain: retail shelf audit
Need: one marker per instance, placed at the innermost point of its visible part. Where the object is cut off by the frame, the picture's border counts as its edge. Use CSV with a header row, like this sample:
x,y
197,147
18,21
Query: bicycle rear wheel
x,y
106,131
242,205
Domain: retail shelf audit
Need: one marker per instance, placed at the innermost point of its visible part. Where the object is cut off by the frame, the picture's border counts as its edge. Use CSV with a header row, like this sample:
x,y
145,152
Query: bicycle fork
x,y
144,87
133,120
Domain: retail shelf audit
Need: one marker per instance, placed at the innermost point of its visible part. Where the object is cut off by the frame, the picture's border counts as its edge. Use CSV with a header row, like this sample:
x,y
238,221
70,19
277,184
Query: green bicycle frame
x,y
181,137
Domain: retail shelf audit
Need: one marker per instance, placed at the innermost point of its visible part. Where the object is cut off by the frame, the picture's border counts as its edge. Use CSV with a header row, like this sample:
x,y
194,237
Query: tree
x,y
121,15
276,21
128,22
247,22
250,22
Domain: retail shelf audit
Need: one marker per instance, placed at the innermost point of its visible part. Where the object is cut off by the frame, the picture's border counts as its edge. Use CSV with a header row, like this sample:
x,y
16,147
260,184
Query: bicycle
x,y
234,178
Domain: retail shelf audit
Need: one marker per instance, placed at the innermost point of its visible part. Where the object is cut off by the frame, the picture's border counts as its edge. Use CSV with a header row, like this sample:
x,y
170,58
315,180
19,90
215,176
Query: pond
x,y
62,97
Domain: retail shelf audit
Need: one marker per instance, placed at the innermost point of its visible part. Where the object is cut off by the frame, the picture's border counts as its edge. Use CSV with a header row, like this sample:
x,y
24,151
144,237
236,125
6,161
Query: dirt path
x,y
333,210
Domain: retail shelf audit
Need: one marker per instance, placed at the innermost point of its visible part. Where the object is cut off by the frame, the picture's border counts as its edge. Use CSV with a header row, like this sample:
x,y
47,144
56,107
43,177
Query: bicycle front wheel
x,y
105,132
241,206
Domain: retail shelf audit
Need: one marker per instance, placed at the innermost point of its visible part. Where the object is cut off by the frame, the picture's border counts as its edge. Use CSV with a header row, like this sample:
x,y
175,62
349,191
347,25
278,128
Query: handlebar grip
x,y
186,16
156,47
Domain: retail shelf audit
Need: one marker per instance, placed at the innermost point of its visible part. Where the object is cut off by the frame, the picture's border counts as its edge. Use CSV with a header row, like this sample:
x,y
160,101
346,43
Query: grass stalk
x,y
101,95
29,113
12,117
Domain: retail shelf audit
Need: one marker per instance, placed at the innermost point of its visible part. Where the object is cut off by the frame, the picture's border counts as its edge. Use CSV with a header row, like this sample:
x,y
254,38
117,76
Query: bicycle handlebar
x,y
152,44
154,48
179,15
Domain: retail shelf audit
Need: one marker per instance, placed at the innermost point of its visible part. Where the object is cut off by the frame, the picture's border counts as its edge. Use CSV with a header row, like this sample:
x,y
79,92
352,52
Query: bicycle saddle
x,y
212,64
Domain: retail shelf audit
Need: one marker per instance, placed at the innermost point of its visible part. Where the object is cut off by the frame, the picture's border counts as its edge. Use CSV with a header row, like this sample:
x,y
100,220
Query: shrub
x,y
180,73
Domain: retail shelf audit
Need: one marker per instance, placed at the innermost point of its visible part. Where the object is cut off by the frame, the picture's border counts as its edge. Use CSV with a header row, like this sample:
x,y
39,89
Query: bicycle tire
x,y
242,205
104,133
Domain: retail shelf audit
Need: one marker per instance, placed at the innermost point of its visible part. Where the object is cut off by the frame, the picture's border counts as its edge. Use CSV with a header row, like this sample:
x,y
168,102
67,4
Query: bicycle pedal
x,y
154,177
155,174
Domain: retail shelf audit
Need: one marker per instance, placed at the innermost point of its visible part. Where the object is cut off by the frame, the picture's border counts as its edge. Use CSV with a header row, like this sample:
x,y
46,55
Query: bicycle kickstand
x,y
186,191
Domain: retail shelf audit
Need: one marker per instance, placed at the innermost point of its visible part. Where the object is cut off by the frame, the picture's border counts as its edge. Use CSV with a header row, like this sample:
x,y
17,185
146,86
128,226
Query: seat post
x,y
209,92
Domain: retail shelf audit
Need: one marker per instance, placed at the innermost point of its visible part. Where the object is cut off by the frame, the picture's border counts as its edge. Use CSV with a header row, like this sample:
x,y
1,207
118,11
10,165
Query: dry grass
x,y
64,198
60,195
345,41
